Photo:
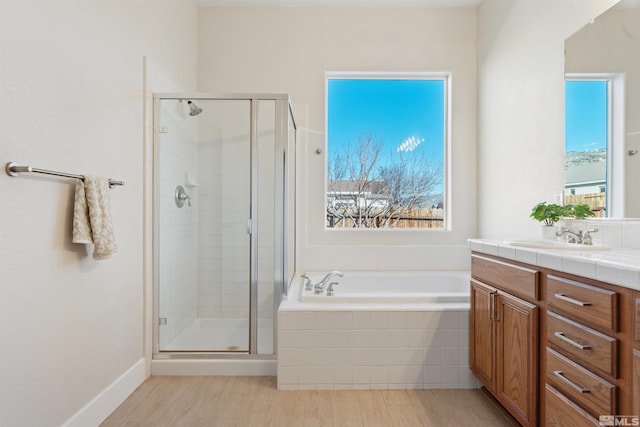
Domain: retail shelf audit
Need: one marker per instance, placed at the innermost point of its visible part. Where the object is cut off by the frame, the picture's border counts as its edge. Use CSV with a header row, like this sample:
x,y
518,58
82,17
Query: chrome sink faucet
x,y
319,287
581,237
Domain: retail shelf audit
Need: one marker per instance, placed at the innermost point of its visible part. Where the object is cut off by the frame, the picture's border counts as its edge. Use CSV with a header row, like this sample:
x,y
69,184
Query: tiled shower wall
x,y
224,195
373,350
204,248
224,179
223,244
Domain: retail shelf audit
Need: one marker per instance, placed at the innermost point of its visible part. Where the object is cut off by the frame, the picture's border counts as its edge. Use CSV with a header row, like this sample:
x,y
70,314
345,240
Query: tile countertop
x,y
617,266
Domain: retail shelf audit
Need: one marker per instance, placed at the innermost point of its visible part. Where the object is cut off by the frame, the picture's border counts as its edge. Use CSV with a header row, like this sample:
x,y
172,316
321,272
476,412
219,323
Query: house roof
x,y
352,186
585,173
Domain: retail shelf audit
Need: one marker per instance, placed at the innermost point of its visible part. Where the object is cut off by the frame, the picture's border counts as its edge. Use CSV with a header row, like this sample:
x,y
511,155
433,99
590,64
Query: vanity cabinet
x,y
553,349
483,335
504,333
582,355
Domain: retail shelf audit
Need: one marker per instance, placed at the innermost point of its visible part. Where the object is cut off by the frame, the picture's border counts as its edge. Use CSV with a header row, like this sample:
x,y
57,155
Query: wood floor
x,y
255,401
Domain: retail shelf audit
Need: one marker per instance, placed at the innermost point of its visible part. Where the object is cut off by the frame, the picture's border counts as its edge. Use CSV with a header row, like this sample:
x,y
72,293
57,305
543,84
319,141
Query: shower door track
x,y
167,355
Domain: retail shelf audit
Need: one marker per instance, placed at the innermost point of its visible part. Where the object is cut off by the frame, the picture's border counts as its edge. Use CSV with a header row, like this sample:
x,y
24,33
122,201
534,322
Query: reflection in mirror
x,y
594,138
606,50
586,141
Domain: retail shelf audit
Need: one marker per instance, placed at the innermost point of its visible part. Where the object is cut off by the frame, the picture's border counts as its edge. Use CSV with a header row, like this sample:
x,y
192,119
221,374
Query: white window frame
x,y
401,75
615,137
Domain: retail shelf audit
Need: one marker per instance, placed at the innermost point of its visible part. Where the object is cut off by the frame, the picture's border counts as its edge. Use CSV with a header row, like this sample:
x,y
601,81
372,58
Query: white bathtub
x,y
427,287
380,330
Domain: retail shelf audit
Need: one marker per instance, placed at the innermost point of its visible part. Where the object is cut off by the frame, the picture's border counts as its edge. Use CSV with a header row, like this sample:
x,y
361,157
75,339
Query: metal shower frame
x,y
283,112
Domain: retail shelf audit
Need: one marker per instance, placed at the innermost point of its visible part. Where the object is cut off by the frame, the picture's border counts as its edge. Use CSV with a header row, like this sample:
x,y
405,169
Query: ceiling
x,y
364,3
341,3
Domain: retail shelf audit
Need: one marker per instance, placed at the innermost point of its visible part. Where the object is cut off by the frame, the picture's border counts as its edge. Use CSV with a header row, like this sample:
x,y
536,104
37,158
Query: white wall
x,y
71,99
521,107
288,50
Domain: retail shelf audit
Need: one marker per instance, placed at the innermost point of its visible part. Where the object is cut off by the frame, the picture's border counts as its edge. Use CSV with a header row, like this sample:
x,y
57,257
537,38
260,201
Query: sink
x,y
555,244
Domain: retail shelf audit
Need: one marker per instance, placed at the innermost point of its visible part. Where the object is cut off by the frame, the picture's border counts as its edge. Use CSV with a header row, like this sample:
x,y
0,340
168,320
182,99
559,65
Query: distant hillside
x,y
574,158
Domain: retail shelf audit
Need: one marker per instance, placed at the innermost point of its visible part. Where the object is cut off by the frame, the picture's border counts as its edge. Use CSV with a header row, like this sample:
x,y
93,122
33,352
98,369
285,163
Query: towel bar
x,y
13,169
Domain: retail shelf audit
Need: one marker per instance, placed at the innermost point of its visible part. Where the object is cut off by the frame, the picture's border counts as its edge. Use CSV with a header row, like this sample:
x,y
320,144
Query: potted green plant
x,y
549,214
578,211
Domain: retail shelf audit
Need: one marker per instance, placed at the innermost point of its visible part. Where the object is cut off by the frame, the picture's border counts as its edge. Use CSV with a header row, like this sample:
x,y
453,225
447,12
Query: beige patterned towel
x,y
92,217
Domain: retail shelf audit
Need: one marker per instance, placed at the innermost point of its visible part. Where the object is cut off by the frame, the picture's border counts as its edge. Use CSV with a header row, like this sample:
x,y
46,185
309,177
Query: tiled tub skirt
x,y
360,349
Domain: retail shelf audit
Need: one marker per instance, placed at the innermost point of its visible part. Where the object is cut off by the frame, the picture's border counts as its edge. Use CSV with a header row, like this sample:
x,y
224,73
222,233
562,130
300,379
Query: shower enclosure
x,y
224,186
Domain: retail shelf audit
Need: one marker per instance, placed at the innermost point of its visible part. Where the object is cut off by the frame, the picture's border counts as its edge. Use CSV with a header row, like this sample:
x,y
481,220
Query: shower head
x,y
194,110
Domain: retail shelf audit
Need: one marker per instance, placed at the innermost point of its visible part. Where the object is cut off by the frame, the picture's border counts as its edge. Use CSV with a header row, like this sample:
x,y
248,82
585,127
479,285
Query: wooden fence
x,y
414,218
596,201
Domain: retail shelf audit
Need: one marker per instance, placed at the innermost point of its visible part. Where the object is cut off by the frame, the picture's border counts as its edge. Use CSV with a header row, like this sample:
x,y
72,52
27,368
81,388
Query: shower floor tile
x,y
206,334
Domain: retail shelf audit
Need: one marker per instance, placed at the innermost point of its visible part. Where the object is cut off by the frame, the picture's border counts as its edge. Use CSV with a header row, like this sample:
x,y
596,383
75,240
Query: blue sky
x,y
410,114
396,111
586,115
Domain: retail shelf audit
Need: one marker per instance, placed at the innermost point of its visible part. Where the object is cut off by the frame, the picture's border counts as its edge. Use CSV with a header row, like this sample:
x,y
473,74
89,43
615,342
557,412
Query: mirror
x,y
607,49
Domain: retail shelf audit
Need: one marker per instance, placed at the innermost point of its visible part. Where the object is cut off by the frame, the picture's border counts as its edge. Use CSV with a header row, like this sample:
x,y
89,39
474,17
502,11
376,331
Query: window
x,y
594,152
386,150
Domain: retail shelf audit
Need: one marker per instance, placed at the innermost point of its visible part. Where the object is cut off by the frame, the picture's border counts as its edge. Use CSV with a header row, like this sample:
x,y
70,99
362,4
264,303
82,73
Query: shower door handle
x,y
249,226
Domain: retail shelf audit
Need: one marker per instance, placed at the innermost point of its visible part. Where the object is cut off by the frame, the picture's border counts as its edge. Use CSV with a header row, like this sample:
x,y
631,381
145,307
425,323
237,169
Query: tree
x,y
413,180
367,190
352,178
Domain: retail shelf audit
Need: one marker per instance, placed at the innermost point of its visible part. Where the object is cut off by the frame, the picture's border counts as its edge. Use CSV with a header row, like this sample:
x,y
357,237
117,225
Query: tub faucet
x,y
318,288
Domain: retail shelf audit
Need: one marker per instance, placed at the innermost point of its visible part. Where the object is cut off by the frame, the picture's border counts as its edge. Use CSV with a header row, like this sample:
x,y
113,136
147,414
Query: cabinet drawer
x,y
594,306
582,344
581,386
560,411
514,279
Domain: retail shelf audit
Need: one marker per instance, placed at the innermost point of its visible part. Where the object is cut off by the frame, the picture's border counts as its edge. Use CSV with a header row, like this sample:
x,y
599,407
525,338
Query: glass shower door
x,y
204,254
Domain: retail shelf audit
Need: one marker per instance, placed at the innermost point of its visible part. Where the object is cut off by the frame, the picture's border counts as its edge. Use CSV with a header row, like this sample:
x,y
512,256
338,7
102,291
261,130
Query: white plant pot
x,y
548,231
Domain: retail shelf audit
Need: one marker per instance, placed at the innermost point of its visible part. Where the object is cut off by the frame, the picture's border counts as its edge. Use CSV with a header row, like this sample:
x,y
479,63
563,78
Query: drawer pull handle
x,y
561,336
563,297
570,383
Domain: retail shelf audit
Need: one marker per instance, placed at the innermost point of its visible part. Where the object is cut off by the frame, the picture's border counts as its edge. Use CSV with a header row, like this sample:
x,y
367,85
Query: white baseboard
x,y
258,368
101,406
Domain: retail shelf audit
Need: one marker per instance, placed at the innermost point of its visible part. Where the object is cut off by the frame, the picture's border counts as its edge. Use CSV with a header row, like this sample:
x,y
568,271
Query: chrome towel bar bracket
x,y
13,169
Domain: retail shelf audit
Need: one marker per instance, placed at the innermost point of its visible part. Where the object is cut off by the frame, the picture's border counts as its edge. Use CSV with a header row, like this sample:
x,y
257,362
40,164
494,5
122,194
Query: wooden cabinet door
x,y
482,334
517,357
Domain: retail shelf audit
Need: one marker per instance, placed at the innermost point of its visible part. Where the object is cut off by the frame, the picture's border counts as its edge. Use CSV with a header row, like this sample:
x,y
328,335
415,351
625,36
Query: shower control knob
x,y
181,196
